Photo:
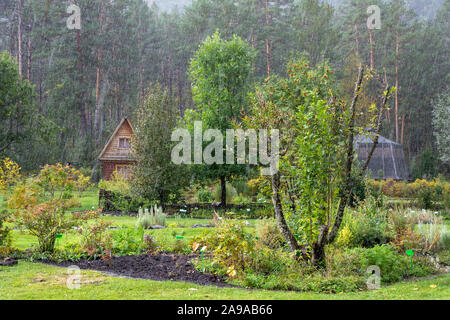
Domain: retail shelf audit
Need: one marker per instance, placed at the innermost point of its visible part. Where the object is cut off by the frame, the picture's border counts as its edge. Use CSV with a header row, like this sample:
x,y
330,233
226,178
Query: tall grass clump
x,y
148,218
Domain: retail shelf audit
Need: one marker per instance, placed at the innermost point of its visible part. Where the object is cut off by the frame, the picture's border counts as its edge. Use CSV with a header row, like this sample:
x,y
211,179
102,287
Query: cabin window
x,y
124,143
123,170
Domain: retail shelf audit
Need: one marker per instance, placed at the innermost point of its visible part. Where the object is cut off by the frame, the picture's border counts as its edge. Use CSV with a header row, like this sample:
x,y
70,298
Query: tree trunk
x,y
223,191
83,116
281,221
397,48
357,40
269,59
349,163
97,117
19,36
371,50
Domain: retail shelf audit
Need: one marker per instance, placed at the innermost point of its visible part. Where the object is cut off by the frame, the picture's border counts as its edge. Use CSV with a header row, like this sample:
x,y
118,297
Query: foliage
x,y
231,193
17,113
118,183
219,72
150,246
5,232
204,195
427,193
269,235
96,240
42,204
9,173
425,165
230,246
393,266
155,176
128,241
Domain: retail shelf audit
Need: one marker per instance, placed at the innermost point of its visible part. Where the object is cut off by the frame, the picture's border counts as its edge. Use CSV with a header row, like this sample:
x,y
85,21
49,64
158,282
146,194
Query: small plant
x,y
148,218
96,240
431,233
150,245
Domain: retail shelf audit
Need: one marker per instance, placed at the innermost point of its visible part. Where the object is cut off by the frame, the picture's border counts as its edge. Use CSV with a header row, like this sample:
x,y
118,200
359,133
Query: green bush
x,y
268,261
393,266
229,244
128,241
5,232
204,195
366,228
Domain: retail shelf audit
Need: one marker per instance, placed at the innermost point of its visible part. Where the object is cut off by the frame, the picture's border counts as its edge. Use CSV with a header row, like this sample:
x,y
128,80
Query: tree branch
x,y
348,170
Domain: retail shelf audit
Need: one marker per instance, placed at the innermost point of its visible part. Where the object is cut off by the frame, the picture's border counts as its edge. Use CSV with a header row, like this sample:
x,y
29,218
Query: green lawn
x,y
23,240
29,280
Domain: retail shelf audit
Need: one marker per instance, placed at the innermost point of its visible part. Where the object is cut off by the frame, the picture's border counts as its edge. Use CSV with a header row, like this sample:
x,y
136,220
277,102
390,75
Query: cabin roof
x,y
104,155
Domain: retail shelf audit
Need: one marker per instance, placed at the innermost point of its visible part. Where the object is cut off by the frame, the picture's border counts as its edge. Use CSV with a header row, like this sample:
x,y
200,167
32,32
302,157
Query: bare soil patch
x,y
162,267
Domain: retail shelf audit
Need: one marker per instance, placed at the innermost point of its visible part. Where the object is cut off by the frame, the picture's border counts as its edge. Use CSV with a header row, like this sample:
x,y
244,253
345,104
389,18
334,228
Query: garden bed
x,y
160,267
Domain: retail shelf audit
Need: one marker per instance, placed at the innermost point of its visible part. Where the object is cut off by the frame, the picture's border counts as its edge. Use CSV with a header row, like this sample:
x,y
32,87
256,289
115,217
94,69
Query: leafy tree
x,y
155,176
219,72
16,104
313,187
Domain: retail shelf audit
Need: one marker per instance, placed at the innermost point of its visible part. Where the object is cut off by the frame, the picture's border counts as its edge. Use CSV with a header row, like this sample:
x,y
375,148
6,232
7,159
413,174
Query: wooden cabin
x,y
116,155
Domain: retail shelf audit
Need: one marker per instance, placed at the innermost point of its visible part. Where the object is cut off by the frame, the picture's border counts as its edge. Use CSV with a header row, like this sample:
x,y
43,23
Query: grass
x,y
30,281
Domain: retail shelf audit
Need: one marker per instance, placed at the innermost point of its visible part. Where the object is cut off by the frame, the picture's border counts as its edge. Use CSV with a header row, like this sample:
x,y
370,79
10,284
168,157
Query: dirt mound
x,y
161,267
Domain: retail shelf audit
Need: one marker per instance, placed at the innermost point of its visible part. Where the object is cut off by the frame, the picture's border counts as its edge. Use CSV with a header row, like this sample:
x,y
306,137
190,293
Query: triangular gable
x,y
111,139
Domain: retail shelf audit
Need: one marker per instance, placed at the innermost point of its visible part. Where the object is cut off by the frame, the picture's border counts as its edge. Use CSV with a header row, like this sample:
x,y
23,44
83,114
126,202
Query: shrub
x,y
345,237
180,246
118,183
269,234
268,261
128,241
5,232
96,240
367,227
150,246
42,204
204,195
393,266
230,245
